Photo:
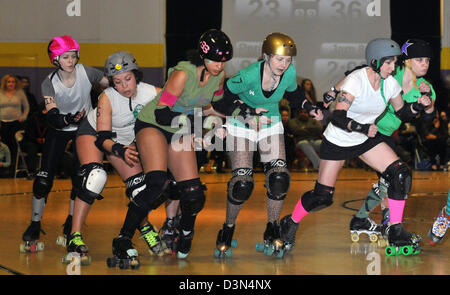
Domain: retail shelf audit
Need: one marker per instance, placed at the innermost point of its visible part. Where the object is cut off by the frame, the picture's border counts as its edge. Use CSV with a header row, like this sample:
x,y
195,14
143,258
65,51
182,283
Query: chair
x,y
21,164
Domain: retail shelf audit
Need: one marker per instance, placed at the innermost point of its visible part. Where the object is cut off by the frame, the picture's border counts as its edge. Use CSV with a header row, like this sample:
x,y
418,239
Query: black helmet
x,y
215,45
416,48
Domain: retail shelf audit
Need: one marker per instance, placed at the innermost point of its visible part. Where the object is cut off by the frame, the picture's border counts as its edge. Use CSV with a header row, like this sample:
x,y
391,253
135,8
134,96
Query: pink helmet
x,y
60,44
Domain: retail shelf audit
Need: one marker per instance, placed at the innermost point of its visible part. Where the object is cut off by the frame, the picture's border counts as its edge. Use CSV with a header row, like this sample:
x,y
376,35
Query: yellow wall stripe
x,y
91,54
445,58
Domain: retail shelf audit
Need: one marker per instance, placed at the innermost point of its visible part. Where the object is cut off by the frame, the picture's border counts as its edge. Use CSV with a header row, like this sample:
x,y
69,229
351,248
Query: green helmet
x,y
120,62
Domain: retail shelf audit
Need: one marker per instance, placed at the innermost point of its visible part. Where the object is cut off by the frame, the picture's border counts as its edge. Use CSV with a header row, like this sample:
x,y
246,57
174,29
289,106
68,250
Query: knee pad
x,y
240,186
172,191
278,179
134,185
319,198
399,180
93,181
151,196
42,184
192,197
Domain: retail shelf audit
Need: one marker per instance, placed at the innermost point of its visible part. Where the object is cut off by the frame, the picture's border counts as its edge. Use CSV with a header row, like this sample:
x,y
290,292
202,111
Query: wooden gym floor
x,y
323,241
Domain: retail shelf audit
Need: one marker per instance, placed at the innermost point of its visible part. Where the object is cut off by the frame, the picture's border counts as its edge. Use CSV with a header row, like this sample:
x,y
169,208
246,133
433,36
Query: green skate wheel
x,y
259,247
389,251
217,253
406,250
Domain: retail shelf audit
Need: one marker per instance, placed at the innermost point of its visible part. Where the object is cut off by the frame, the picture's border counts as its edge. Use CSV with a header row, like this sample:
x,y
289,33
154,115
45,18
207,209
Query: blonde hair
x,y
5,78
408,65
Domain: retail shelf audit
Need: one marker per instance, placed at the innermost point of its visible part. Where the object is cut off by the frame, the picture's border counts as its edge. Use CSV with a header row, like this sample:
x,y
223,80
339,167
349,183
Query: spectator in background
x,y
310,92
5,159
289,140
25,83
14,109
435,137
308,136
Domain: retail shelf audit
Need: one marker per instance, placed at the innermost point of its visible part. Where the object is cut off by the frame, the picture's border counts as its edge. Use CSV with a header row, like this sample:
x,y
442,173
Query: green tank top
x,y
388,122
247,85
193,95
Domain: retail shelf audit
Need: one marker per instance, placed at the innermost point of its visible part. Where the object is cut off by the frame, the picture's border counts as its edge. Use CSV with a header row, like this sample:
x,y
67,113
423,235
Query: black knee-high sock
x,y
134,217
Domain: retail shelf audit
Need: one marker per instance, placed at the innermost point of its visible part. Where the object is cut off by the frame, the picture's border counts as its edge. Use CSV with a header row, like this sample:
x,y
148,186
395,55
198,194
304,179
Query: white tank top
x,y
75,98
123,118
365,109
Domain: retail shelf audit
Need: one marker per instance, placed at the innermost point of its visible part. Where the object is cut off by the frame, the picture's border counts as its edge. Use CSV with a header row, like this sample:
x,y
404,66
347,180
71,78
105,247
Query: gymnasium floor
x,y
323,241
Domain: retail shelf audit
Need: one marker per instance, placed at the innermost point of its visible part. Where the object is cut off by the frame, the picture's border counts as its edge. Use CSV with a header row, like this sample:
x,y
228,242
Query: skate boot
x,y
184,243
151,237
76,246
367,226
225,242
125,256
401,241
288,232
439,228
169,233
31,237
273,244
67,228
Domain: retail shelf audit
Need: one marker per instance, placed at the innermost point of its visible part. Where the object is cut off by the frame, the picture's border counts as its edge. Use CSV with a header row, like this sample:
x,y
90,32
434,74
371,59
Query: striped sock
x,y
447,209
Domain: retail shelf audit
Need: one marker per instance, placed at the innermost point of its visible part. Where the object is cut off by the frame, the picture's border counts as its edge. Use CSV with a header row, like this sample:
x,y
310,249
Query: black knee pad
x,y
278,179
240,186
319,198
399,180
151,196
172,191
134,185
42,184
192,197
93,181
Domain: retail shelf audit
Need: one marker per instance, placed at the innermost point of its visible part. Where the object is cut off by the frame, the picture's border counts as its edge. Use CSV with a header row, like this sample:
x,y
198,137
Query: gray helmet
x,y
120,62
381,47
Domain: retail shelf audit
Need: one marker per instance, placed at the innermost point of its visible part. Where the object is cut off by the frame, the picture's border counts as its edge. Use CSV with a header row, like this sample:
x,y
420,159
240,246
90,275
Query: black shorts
x,y
330,151
139,125
85,128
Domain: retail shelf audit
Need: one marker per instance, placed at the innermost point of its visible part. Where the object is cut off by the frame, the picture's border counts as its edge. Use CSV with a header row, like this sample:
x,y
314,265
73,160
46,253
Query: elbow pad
x,y
340,119
56,119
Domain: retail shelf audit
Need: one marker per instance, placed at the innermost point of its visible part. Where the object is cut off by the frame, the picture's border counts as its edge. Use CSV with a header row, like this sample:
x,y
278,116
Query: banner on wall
x,y
445,52
330,35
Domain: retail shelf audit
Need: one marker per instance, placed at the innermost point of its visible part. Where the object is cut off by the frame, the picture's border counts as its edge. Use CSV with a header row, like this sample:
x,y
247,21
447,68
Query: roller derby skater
x,y
67,228
412,65
352,132
66,94
272,243
258,125
401,242
125,256
366,226
169,233
192,84
156,245
30,238
108,131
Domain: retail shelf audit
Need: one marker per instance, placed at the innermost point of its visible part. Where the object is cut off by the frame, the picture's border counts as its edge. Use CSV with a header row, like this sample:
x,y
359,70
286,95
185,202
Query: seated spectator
x,y
289,141
435,137
308,136
5,160
310,92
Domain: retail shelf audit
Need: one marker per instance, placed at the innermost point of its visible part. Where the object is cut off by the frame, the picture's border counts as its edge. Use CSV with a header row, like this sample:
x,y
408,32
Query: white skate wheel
x,y
354,237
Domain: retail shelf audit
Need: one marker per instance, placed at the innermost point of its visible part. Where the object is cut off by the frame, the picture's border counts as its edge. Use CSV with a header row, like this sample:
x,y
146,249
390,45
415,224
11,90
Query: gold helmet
x,y
279,44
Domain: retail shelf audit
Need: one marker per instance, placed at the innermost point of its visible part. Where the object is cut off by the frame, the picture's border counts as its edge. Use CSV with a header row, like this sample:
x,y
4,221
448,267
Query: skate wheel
x,y
390,251
182,255
61,241
234,243
280,254
381,243
85,260
268,251
40,246
217,253
406,250
373,238
259,247
135,263
354,237
111,262
124,264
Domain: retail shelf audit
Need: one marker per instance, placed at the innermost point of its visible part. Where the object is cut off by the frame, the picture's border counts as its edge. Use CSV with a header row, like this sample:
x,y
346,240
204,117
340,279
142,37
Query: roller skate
x,y
67,228
31,237
78,247
169,233
273,245
439,228
151,237
184,243
288,232
366,226
225,242
402,242
125,256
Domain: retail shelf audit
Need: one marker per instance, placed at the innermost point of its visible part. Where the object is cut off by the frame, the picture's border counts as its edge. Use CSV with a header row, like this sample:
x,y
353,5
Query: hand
x,y
424,100
424,87
316,114
131,156
373,129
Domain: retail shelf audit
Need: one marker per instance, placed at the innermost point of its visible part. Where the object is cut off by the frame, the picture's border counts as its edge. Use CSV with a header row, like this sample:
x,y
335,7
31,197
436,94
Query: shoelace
x,y
150,237
77,240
